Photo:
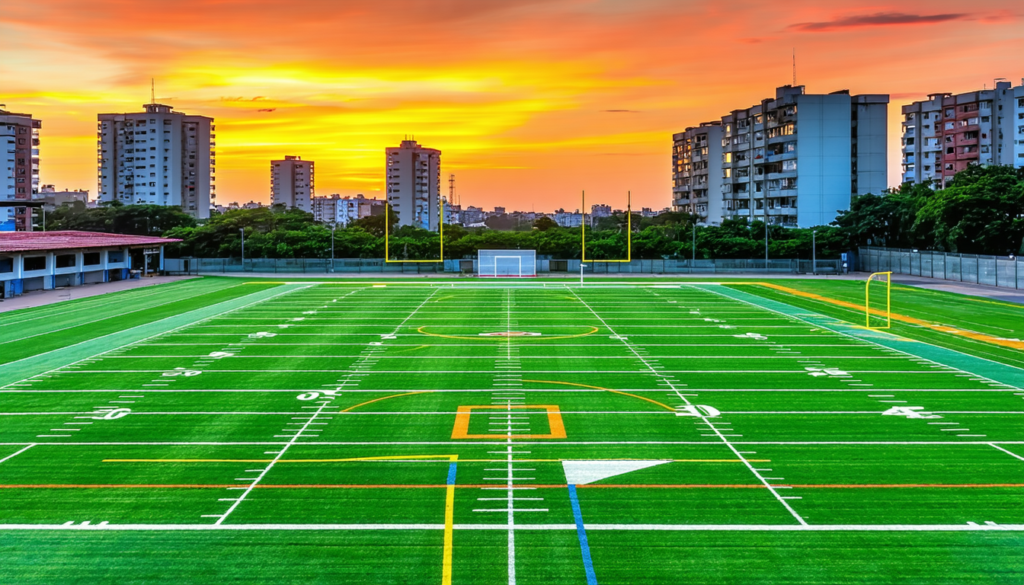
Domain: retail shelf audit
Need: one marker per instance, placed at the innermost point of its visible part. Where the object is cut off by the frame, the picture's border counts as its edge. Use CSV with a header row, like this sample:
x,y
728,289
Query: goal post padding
x,y
507,263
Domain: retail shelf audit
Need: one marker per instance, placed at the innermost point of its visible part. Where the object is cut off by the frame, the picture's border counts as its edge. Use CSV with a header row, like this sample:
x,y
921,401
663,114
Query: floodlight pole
x,y
242,231
582,266
814,252
334,226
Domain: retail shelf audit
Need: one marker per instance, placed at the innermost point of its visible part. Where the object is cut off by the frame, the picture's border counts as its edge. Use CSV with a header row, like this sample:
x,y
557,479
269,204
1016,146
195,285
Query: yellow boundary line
x,y
592,331
385,398
895,316
411,458
665,406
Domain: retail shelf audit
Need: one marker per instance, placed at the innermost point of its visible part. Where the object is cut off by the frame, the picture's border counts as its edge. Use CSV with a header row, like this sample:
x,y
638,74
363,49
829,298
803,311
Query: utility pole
x,y
451,189
814,252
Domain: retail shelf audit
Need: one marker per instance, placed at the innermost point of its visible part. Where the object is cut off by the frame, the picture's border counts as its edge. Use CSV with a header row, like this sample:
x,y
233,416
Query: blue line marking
x,y
451,473
581,532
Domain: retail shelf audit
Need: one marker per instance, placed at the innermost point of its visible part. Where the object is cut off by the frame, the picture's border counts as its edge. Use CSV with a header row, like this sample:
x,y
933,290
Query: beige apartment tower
x,y
413,184
291,183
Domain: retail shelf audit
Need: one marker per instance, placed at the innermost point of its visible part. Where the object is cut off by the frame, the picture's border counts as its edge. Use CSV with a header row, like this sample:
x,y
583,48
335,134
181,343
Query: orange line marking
x,y
461,429
489,485
895,316
665,406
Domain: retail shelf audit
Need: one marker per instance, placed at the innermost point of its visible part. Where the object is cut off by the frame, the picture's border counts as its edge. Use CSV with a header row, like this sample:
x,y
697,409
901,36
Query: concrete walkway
x,y
39,298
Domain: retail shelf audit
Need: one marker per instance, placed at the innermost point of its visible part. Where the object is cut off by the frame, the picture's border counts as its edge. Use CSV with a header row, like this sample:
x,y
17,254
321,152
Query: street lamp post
x,y
814,252
334,226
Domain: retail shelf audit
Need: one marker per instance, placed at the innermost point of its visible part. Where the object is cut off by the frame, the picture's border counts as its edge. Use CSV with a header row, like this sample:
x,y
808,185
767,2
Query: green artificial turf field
x,y
223,431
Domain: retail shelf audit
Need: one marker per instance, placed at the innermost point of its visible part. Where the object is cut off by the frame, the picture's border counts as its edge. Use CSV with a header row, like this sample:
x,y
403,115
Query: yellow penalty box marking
x,y
556,427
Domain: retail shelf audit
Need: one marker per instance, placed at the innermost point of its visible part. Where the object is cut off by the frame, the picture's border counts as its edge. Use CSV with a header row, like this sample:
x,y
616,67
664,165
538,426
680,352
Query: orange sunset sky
x,y
529,100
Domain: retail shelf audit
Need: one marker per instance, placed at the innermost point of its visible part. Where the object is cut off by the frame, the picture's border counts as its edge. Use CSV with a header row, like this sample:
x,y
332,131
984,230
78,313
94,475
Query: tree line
x,y
980,212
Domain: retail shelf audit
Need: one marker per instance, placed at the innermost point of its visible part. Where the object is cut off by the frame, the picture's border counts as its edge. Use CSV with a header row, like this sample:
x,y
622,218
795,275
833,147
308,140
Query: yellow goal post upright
x,y
629,230
885,277
387,230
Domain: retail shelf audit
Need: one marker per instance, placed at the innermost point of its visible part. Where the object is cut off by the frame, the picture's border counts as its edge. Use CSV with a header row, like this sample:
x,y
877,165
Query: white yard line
x,y
968,527
133,342
270,465
1010,453
16,453
700,415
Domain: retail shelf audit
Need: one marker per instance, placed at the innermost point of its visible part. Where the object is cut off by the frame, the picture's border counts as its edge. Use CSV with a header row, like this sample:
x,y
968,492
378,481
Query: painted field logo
x,y
510,334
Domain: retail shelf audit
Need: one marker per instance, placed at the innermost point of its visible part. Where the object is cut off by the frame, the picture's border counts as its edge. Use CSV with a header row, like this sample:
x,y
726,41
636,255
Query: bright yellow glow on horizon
x,y
530,102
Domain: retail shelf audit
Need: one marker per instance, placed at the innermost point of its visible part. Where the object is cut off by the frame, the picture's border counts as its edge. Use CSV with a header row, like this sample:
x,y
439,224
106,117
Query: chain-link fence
x,y
468,266
1001,271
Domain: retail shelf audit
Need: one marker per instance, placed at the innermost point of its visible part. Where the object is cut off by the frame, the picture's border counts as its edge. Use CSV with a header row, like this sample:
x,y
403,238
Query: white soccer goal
x,y
507,263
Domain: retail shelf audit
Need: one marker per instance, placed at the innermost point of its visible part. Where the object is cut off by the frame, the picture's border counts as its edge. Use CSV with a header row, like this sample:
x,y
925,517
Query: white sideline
x,y
969,527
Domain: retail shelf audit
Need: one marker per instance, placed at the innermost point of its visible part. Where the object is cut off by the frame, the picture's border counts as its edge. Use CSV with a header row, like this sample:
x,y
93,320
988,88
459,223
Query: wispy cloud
x,y
877,19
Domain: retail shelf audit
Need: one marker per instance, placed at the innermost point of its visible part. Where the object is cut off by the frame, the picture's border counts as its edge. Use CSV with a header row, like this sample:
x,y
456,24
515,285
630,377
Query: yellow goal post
x,y
884,277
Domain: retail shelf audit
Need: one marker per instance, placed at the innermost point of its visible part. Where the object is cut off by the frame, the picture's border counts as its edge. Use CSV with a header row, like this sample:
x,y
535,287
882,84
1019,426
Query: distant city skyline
x,y
529,101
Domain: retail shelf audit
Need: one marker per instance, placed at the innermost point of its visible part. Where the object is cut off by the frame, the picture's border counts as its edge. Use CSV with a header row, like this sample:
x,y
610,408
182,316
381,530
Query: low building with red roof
x,y
45,260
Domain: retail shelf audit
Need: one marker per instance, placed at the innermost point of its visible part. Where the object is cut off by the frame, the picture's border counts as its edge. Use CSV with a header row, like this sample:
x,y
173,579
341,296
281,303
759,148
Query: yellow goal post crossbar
x,y
387,230
629,229
885,277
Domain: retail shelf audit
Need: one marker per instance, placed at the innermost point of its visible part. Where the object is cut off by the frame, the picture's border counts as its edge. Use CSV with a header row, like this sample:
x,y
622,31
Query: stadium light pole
x,y
242,231
334,226
814,252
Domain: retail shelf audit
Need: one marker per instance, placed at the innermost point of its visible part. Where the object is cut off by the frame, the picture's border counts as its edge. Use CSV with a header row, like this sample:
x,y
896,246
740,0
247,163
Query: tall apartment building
x,y
697,171
291,183
157,157
19,168
413,182
794,160
945,133
342,210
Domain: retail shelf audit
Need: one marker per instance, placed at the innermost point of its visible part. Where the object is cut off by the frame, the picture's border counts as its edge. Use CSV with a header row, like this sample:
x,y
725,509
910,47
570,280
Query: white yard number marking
x,y
756,336
285,326
698,410
910,412
221,354
309,312
825,372
726,327
261,335
387,336
329,394
710,320
183,372
108,413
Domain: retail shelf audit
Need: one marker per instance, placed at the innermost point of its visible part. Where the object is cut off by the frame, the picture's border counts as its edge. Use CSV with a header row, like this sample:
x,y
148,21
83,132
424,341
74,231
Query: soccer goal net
x,y
878,301
507,263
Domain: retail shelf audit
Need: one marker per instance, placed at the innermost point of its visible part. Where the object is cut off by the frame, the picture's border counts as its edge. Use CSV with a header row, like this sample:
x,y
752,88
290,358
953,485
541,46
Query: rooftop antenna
x,y
794,66
451,189
152,90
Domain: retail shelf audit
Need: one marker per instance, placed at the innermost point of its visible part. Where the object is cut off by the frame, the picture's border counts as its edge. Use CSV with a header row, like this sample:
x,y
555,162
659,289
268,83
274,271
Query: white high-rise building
x,y
291,182
19,168
343,210
413,184
157,157
795,160
945,133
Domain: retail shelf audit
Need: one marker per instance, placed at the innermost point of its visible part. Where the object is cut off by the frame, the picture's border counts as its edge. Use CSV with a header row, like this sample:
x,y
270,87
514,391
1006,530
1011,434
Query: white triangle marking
x,y
584,472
